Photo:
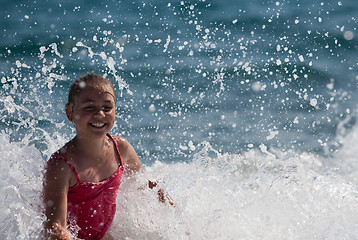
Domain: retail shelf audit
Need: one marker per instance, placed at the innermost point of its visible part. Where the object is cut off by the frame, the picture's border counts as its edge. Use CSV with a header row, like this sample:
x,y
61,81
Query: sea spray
x,y
20,190
345,160
250,195
237,74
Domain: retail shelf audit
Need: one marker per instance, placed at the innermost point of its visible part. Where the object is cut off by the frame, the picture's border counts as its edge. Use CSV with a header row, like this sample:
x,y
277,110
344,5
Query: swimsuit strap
x,y
115,144
74,169
69,164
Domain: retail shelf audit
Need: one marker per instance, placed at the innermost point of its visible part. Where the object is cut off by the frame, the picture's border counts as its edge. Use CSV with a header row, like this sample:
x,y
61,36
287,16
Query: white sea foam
x,y
252,195
346,159
249,195
20,188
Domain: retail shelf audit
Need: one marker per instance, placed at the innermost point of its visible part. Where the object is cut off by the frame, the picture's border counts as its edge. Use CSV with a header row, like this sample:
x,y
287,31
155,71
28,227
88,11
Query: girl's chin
x,y
92,130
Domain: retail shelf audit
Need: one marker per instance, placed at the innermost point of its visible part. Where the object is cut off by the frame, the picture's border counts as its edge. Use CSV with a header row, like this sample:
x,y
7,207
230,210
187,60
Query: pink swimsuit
x,y
92,206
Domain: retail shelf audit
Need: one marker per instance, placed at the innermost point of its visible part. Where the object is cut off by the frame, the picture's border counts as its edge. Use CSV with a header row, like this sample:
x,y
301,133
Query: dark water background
x,y
238,74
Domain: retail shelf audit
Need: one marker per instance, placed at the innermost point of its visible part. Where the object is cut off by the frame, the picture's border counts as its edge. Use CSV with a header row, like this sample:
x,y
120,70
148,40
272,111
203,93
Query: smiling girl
x,y
82,178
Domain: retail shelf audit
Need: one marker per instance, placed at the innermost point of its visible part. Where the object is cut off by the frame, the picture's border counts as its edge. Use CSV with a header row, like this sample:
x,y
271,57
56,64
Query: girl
x,y
82,178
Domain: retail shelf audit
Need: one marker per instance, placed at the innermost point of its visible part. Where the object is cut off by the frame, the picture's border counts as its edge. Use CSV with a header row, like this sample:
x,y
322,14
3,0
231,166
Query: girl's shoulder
x,y
62,158
121,142
118,138
59,167
57,161
57,158
129,157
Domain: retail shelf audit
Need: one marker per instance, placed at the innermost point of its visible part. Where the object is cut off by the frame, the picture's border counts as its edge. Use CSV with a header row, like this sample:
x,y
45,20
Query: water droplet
x,y
348,35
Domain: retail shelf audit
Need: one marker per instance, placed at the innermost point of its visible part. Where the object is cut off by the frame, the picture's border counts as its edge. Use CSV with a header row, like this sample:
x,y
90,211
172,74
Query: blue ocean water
x,y
257,96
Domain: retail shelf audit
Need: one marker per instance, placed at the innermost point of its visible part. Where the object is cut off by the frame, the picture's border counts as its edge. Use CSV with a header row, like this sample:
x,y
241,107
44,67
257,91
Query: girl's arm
x,y
129,157
56,184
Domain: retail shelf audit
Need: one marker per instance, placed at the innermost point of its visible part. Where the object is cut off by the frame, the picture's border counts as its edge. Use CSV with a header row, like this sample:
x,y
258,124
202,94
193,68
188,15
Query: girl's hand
x,y
60,232
161,194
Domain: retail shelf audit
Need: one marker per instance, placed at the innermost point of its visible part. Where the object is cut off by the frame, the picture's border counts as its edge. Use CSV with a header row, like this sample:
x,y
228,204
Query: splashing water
x,y
244,111
20,187
251,195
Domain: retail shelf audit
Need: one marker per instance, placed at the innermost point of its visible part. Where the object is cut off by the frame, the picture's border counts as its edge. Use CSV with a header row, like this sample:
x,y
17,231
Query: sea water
x,y
257,194
244,112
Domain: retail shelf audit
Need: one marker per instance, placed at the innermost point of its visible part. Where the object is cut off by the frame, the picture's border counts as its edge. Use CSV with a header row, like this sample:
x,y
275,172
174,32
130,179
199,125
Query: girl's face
x,y
93,112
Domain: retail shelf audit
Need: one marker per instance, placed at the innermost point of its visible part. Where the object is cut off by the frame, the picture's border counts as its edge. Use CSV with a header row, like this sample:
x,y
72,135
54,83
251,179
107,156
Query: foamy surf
x,y
20,189
239,74
251,195
258,194
346,159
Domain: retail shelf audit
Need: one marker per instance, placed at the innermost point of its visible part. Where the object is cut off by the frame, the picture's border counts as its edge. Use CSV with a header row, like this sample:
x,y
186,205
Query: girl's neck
x,y
90,148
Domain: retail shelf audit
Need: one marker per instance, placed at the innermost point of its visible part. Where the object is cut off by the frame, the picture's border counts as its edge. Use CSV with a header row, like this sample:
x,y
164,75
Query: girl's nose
x,y
100,112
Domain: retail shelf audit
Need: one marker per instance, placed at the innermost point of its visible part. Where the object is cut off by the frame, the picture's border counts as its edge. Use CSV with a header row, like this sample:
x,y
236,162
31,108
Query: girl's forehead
x,y
97,91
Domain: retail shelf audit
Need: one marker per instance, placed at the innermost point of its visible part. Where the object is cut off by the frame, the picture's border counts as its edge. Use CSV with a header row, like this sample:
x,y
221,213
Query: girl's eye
x,y
107,108
89,108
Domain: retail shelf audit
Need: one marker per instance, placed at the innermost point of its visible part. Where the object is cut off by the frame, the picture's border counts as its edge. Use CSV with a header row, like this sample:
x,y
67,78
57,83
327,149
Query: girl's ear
x,y
68,109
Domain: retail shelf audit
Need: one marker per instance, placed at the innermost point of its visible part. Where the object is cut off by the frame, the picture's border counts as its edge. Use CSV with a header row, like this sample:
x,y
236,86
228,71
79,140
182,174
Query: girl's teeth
x,y
98,124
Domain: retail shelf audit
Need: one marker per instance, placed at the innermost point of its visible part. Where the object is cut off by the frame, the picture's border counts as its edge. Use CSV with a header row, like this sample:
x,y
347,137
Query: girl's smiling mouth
x,y
98,125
